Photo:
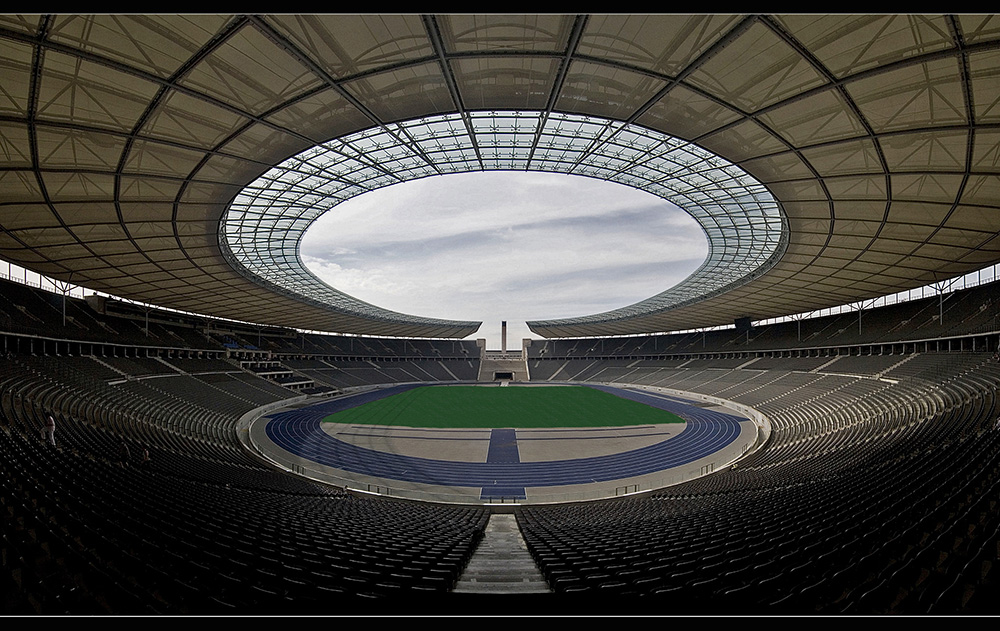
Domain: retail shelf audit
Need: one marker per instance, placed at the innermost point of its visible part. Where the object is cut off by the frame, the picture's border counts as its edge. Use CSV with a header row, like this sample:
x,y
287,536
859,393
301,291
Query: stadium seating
x,y
876,493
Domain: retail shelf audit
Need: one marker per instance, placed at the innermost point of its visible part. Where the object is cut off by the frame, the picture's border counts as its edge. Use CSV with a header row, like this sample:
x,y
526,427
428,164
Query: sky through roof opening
x,y
504,245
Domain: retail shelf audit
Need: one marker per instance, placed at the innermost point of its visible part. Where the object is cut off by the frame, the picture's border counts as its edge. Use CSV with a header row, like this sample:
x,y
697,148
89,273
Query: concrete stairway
x,y
502,564
494,362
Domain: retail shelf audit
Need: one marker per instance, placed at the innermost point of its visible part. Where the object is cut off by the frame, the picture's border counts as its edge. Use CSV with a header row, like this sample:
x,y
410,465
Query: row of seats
x,y
875,494
200,527
873,497
956,313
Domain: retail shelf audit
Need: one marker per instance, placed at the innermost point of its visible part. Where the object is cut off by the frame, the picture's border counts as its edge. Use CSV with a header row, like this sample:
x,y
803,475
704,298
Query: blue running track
x,y
503,474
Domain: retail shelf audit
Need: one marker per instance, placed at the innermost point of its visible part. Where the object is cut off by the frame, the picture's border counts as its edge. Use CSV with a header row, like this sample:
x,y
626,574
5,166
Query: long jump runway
x,y
503,463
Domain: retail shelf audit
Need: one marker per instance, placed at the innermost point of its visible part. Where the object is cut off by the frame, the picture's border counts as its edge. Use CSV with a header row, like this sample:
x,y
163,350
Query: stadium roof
x,y
176,160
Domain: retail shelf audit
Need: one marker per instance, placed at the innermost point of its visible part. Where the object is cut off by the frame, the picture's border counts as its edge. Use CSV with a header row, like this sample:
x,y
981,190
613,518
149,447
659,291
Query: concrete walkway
x,y
502,563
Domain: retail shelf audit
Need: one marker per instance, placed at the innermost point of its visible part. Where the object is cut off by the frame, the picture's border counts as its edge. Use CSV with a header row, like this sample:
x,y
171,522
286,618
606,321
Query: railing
x,y
628,489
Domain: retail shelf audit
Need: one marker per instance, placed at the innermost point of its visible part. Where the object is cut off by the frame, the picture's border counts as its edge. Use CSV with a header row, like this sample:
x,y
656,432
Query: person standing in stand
x,y
50,430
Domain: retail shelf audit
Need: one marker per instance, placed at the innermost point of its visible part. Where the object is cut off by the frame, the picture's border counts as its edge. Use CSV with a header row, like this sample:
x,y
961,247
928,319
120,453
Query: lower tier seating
x,y
873,495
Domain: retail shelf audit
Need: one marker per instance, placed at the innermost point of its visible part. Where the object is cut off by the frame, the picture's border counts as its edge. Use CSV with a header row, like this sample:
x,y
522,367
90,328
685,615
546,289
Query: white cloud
x,y
504,246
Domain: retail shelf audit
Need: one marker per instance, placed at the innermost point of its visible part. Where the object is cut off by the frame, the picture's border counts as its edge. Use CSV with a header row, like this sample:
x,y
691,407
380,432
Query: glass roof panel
x,y
724,199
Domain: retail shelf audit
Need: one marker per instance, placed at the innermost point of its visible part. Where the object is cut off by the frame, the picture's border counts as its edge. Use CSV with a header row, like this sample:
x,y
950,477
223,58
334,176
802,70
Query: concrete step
x,y
502,564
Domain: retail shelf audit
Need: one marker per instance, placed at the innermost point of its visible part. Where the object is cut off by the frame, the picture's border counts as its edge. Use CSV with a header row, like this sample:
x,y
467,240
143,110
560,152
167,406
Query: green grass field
x,y
496,407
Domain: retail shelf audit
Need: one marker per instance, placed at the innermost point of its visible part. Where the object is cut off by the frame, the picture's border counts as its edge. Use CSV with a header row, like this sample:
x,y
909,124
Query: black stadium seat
x,y
876,492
